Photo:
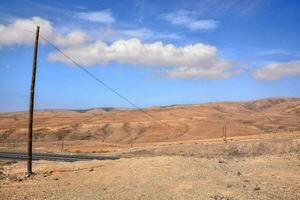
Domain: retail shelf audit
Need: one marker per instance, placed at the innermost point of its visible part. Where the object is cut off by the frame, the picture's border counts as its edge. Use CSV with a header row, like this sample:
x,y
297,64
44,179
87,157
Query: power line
x,y
94,77
97,79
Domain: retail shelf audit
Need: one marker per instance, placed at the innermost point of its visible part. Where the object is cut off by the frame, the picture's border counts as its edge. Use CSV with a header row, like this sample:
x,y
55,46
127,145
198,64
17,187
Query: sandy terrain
x,y
161,177
241,169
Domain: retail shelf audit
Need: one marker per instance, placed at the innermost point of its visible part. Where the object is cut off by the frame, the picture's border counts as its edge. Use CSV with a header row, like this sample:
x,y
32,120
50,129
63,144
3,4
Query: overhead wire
x,y
94,77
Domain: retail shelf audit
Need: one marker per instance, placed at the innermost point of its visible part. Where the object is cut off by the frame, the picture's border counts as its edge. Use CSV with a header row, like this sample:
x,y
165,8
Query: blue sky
x,y
152,52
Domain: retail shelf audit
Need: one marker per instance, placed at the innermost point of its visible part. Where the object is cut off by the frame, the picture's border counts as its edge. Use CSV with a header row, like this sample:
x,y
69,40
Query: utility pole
x,y
224,133
29,145
62,144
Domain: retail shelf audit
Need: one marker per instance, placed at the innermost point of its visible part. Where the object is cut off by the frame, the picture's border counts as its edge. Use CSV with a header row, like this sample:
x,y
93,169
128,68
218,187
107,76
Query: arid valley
x,y
149,100
178,152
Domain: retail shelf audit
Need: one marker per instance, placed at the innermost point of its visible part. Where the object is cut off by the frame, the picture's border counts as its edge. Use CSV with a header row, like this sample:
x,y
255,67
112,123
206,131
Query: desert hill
x,y
168,123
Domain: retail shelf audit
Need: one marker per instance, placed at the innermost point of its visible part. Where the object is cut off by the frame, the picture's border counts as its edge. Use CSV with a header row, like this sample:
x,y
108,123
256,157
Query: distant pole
x,y
29,146
62,144
225,133
130,140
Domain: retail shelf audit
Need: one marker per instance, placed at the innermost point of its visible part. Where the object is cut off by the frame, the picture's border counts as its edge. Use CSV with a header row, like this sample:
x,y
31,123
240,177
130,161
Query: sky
x,y
152,52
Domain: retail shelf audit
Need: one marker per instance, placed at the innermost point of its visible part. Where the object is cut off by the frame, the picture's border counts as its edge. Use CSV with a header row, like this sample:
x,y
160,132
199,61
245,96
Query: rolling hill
x,y
166,123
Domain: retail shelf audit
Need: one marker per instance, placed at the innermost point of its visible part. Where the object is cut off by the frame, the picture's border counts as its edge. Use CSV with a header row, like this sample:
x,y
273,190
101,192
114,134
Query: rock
x,y
229,185
19,179
256,188
91,170
222,161
238,173
221,197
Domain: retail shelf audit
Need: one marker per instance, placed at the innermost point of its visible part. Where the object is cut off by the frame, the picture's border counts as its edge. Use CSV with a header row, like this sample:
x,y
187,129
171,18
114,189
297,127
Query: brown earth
x,y
260,159
158,177
172,123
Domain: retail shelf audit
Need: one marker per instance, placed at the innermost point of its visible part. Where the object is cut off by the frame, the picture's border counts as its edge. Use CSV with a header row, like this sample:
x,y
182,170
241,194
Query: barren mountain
x,y
167,123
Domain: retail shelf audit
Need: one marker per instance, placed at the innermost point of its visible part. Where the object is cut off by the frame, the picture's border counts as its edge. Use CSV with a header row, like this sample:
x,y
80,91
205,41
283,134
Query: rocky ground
x,y
157,177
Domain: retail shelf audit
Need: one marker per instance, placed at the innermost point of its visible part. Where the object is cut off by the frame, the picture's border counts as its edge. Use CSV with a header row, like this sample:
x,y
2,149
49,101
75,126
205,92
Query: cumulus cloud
x,y
198,60
14,33
275,71
189,20
103,16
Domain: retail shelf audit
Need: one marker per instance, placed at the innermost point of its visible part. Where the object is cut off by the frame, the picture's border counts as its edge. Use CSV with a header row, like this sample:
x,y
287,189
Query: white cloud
x,y
189,20
198,60
15,33
103,16
275,71
144,33
111,34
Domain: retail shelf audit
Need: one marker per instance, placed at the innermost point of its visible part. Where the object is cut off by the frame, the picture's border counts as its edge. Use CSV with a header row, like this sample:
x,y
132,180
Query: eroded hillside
x,y
178,122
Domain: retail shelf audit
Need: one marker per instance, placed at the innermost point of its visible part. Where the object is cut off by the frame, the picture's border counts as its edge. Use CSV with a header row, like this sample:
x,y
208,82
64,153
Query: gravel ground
x,y
160,177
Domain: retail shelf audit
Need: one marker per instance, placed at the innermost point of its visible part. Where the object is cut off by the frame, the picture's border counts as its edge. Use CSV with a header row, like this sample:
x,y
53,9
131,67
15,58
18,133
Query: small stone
x,y
222,161
246,180
239,173
55,179
91,170
229,185
256,188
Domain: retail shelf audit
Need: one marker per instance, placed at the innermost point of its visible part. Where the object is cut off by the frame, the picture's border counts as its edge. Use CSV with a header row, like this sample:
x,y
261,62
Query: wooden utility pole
x,y
29,145
224,133
62,144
